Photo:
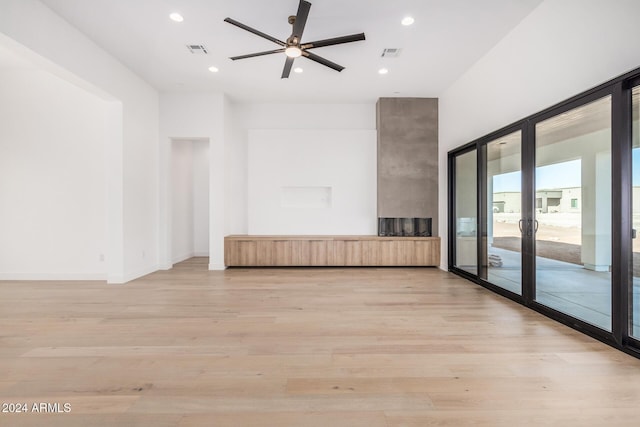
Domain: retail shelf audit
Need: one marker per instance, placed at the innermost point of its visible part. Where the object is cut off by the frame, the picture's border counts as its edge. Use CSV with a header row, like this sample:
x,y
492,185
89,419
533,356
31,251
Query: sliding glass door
x,y
466,206
635,290
502,236
547,212
572,218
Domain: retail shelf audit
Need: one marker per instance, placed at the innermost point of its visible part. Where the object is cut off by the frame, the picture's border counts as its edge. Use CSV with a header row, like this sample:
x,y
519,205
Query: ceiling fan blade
x,y
287,68
301,19
321,60
254,31
251,55
333,41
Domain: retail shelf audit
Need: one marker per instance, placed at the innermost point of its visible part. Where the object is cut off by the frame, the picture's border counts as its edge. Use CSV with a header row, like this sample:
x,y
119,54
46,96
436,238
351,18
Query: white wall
x,y
194,116
561,49
200,198
304,116
132,127
235,219
312,182
311,118
182,212
52,178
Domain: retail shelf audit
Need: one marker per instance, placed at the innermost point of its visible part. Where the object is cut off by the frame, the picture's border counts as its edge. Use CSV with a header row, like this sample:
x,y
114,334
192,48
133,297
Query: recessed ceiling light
x,y
407,20
383,71
213,69
298,70
176,17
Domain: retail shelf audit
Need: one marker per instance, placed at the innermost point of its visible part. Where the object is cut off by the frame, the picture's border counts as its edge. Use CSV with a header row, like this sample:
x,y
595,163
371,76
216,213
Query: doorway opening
x,y
190,201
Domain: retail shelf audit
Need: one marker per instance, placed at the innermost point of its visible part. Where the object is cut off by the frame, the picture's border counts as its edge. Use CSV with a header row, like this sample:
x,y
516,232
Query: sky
x,y
559,175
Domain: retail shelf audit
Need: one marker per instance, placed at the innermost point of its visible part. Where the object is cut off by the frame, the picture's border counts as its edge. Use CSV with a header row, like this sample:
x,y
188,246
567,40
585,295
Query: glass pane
x,y
466,212
503,244
635,310
573,213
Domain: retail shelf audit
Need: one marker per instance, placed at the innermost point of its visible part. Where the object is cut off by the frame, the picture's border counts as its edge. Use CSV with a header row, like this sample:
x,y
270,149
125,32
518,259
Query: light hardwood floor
x,y
301,347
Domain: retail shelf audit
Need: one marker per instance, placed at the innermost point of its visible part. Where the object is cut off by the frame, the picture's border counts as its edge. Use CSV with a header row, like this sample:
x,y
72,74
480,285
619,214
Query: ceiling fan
x,y
293,47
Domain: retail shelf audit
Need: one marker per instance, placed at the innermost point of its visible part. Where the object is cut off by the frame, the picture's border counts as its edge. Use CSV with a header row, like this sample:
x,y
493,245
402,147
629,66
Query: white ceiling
x,y
447,38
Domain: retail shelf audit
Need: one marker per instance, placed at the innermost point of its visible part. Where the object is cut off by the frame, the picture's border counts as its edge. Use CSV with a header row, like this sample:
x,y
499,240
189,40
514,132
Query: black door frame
x,y
621,274
482,206
625,297
452,223
578,102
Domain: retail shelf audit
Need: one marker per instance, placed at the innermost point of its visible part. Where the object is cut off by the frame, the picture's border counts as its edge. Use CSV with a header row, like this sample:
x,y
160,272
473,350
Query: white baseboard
x,y
165,267
217,267
53,276
181,258
127,277
185,257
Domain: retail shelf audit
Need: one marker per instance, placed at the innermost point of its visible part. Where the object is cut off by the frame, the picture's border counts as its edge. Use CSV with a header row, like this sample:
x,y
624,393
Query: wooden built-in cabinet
x,y
259,251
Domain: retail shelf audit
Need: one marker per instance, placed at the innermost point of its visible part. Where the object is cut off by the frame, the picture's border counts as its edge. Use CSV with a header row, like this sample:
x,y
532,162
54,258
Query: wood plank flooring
x,y
300,347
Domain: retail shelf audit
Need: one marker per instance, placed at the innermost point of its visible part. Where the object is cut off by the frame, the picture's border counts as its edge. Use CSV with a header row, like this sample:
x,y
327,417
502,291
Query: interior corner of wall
x,y
115,280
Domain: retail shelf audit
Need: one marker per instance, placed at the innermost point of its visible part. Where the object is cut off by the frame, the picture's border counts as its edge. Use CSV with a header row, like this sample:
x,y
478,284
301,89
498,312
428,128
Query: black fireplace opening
x,y
416,227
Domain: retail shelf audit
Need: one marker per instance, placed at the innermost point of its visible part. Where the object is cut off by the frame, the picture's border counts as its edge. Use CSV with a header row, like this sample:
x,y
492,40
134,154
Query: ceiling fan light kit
x,y
293,52
293,47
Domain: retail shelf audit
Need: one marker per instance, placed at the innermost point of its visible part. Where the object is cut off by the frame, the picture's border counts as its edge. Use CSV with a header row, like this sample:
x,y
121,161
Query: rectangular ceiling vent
x,y
197,49
391,52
